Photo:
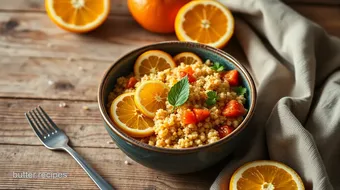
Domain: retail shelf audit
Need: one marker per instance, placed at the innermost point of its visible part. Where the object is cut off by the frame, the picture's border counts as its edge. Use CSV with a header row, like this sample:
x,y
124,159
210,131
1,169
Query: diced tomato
x,y
189,117
188,72
131,83
224,131
233,109
201,114
232,77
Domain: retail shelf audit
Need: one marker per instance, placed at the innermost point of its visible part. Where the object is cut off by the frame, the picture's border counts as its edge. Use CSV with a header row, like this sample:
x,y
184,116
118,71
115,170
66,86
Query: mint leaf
x,y
212,98
179,93
217,67
240,90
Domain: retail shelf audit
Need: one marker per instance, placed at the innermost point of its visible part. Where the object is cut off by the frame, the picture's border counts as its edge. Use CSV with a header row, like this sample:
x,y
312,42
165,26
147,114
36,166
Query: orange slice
x,y
153,61
187,58
205,21
78,15
150,96
265,175
126,115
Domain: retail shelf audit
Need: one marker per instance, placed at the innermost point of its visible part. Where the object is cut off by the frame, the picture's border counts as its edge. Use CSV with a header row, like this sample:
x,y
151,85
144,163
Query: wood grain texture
x,y
84,127
44,65
34,51
36,54
117,6
313,2
34,35
327,17
120,6
107,162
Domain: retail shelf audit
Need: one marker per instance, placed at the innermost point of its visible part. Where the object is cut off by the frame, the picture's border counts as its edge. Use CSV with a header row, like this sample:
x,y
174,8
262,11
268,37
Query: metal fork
x,y
55,139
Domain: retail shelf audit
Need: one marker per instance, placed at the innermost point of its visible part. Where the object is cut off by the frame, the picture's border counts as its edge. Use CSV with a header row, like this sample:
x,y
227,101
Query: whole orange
x,y
156,15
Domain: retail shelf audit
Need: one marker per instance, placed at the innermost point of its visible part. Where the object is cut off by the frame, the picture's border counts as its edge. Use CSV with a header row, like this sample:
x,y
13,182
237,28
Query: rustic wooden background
x,y
41,64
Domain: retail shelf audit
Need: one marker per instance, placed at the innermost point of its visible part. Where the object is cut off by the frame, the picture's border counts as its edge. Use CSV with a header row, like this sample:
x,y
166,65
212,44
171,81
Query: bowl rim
x,y
131,140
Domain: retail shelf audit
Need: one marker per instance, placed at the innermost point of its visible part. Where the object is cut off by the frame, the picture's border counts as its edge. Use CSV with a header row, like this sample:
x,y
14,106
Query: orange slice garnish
x,y
78,15
153,61
266,175
205,21
187,58
150,96
126,115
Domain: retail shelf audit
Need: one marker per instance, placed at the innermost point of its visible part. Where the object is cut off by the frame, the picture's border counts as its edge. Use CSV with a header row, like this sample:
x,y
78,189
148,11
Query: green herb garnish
x,y
240,90
217,67
212,98
179,93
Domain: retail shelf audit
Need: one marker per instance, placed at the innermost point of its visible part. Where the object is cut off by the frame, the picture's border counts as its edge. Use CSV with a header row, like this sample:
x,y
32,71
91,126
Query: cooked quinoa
x,y
169,129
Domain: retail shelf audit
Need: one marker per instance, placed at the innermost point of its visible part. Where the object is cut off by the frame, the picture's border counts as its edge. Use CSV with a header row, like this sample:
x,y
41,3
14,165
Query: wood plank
x,y
109,163
34,35
34,54
84,127
119,6
315,2
326,16
50,78
34,51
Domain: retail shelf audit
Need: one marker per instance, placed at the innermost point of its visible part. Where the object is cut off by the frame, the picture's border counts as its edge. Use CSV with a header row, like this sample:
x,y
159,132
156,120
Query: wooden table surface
x,y
41,64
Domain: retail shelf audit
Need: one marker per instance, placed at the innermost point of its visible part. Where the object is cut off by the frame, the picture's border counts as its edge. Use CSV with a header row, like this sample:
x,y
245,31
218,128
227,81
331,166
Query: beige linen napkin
x,y
296,67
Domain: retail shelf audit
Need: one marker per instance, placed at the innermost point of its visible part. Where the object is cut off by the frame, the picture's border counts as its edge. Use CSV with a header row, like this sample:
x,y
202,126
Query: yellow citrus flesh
x,y
126,115
150,96
187,58
205,21
78,15
265,175
153,61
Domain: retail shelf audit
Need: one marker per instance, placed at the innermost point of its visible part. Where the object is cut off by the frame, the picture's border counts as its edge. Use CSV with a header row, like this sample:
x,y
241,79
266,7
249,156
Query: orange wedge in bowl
x,y
152,61
150,96
126,115
187,58
266,175
78,15
205,21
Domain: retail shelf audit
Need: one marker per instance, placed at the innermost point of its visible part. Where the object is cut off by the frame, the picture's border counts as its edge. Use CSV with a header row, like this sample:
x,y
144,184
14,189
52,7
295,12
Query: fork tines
x,y
41,123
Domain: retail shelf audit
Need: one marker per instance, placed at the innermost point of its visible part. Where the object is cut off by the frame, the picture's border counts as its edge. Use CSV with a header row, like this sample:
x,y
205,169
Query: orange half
x,y
78,15
267,175
205,21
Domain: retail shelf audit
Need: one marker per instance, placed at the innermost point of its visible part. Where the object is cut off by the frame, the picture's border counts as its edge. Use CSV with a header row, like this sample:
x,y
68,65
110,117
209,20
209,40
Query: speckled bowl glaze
x,y
175,160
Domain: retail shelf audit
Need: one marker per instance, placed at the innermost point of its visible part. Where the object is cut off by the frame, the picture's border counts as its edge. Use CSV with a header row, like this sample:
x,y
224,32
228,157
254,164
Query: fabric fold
x,y
295,64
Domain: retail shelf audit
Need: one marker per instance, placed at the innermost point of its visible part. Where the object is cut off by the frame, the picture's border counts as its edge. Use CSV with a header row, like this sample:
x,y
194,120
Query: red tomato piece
x,y
233,109
232,77
188,72
131,83
189,117
224,131
201,114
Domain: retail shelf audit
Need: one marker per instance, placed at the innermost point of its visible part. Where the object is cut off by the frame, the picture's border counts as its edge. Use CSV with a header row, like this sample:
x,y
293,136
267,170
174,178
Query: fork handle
x,y
97,179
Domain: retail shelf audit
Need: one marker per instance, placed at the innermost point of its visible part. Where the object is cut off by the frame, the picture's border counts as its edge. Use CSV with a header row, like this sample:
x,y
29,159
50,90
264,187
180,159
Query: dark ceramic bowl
x,y
184,160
